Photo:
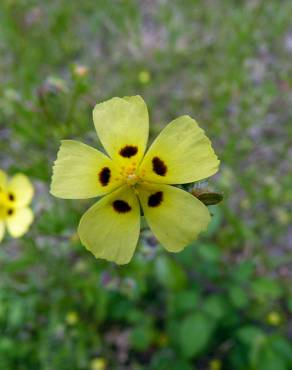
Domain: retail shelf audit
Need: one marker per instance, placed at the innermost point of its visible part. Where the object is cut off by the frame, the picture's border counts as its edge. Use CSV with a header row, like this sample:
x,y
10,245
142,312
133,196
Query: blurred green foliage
x,y
224,303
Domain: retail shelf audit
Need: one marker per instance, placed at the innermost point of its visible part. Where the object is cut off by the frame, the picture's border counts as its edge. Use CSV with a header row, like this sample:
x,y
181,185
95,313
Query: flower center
x,y
129,174
132,179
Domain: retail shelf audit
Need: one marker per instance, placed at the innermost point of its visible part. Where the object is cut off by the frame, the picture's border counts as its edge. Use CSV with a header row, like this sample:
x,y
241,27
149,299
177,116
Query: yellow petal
x,y
122,126
110,228
81,171
182,153
175,216
20,190
3,180
2,230
19,222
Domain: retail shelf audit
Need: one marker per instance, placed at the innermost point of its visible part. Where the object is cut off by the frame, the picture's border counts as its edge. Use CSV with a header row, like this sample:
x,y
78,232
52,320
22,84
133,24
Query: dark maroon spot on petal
x,y
155,199
159,167
104,176
11,197
121,206
128,151
10,211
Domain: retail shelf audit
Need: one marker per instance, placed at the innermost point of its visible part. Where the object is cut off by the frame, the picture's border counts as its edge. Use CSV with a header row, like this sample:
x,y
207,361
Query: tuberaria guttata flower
x,y
15,196
127,178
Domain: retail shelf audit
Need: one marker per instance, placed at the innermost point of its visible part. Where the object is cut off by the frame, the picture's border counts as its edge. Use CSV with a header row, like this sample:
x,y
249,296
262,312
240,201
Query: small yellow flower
x,y
215,364
15,196
144,77
72,318
274,318
180,154
98,363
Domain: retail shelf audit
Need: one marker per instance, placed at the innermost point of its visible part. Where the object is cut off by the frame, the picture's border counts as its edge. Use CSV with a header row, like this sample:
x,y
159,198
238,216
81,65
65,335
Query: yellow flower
x,y
15,196
98,364
144,77
274,318
180,154
71,318
215,364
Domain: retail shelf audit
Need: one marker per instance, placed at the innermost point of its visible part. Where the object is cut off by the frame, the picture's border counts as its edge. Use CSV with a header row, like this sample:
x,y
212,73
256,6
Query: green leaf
x,y
169,273
216,220
141,337
289,304
210,198
282,347
208,252
243,271
250,335
183,302
165,360
6,345
215,306
267,359
238,296
194,334
266,288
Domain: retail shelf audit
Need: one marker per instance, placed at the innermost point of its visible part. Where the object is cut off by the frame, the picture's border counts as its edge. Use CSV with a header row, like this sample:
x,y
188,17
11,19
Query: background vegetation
x,y
225,303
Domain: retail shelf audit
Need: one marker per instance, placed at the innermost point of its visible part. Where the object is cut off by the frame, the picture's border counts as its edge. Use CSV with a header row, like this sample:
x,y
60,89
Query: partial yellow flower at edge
x,y
127,178
98,363
215,364
15,196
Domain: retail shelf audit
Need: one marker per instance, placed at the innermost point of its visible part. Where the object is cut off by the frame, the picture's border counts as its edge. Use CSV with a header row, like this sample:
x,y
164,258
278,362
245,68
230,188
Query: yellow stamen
x,y
132,179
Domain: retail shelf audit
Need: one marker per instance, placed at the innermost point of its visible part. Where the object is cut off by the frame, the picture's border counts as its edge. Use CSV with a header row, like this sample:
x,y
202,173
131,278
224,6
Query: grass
x,y
227,64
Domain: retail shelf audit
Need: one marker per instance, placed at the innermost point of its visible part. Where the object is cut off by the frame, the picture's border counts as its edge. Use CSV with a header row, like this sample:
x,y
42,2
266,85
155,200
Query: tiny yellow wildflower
x,y
215,364
144,77
15,196
274,318
72,318
98,363
180,154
